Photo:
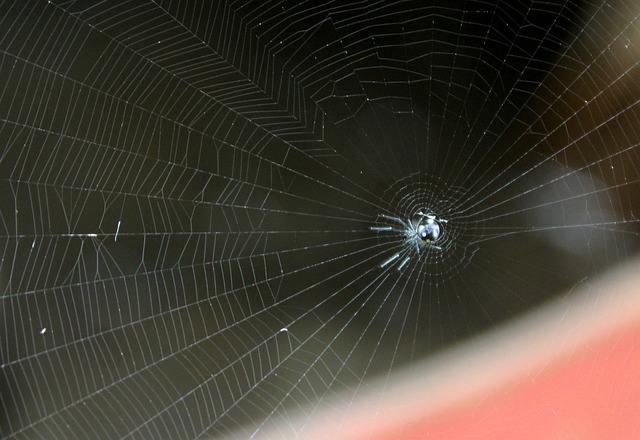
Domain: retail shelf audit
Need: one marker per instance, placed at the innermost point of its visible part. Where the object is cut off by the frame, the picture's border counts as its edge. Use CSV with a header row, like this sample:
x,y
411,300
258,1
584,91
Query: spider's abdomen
x,y
429,230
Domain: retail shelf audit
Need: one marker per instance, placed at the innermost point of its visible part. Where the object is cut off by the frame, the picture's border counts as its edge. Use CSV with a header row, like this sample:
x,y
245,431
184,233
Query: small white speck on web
x,y
43,330
284,329
115,238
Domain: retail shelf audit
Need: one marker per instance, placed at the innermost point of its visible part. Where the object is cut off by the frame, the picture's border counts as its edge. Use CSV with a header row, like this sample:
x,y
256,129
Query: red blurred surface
x,y
591,393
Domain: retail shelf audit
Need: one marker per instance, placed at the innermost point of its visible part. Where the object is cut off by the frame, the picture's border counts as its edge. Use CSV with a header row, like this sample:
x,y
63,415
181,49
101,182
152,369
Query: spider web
x,y
188,189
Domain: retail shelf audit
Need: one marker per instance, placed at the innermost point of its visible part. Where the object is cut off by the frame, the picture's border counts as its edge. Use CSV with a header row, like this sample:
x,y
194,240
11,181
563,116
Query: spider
x,y
420,233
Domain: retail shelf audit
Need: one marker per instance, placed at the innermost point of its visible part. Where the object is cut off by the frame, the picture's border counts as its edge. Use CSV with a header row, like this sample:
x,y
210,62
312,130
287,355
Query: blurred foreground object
x,y
569,370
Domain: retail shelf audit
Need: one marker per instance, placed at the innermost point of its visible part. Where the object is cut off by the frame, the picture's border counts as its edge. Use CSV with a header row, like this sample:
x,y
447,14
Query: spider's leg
x,y
381,228
390,259
395,219
401,228
404,262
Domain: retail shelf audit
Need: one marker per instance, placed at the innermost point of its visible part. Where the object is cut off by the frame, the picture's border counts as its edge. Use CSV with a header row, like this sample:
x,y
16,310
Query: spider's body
x,y
420,233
